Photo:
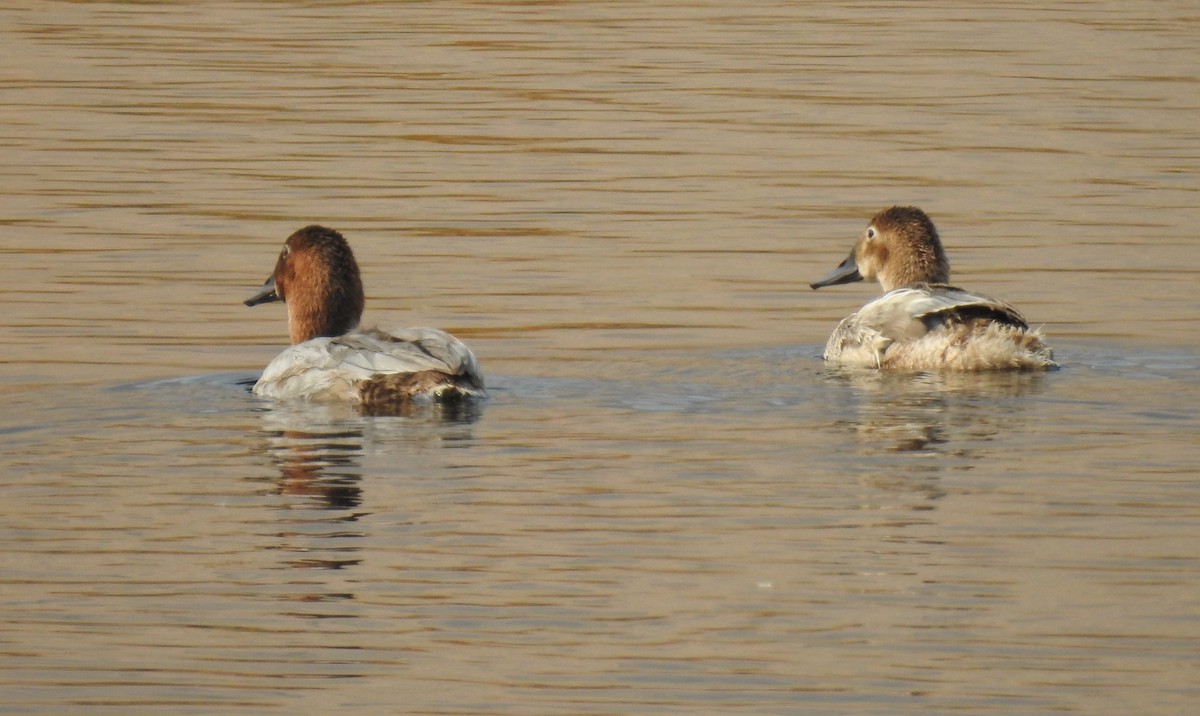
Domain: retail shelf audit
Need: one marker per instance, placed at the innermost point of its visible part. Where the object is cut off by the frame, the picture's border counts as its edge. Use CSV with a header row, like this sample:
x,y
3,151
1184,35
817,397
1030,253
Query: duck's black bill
x,y
266,294
846,272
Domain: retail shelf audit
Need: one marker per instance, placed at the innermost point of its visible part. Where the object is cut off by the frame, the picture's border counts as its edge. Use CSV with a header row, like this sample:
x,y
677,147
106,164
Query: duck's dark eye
x,y
870,232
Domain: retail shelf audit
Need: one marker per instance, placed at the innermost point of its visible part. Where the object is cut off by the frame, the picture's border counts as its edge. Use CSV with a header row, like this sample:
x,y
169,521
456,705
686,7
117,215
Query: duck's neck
x,y
915,268
324,313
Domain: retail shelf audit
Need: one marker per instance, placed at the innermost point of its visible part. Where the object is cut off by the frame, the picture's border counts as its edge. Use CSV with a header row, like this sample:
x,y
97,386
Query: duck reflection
x,y
318,448
911,429
318,451
931,411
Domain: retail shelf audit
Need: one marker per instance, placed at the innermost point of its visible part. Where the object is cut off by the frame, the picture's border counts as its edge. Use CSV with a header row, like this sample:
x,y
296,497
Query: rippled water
x,y
669,505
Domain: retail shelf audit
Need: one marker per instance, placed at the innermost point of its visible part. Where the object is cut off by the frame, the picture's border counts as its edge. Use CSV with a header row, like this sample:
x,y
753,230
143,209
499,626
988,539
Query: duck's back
x,y
934,326
374,366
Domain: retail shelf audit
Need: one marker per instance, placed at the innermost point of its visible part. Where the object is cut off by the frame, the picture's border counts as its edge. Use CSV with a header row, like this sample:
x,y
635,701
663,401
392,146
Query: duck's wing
x,y
956,305
412,350
911,311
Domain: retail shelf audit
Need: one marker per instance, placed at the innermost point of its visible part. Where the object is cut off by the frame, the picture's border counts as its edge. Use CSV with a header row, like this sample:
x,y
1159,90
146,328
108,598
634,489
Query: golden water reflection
x,y
669,503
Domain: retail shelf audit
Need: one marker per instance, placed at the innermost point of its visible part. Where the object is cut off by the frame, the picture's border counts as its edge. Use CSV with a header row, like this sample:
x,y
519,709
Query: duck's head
x,y
317,276
899,247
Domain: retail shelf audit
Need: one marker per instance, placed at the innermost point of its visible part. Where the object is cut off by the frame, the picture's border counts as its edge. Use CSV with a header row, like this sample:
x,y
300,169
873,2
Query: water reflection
x,y
318,450
321,465
654,527
911,430
931,411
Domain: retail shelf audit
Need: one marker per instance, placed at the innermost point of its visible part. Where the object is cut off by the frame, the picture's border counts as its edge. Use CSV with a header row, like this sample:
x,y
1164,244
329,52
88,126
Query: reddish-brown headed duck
x,y
331,358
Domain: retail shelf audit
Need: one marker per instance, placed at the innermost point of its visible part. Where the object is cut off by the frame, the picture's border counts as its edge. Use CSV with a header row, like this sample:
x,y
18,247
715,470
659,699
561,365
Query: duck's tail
x,y
427,386
975,346
996,346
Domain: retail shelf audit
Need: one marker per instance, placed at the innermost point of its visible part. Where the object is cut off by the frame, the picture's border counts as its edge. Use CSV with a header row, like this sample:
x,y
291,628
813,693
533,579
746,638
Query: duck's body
x,y
331,359
374,367
921,323
935,326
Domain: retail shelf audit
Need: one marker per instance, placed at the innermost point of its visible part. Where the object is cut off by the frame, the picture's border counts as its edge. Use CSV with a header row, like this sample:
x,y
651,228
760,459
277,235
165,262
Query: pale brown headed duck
x,y
920,322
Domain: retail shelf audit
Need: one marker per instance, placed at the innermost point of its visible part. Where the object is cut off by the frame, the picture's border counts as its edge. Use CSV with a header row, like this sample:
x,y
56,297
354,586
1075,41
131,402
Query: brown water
x,y
668,505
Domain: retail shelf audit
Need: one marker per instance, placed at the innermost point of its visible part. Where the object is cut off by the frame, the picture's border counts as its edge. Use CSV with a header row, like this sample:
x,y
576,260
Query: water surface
x,y
669,505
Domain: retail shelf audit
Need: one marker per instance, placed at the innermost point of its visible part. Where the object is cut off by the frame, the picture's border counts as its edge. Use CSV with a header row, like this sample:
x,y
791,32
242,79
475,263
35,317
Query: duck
x,y
921,322
331,358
